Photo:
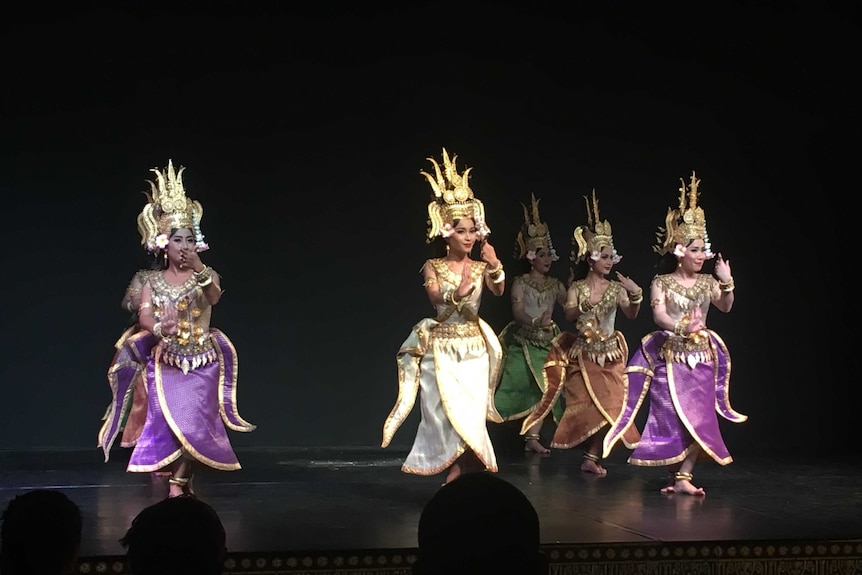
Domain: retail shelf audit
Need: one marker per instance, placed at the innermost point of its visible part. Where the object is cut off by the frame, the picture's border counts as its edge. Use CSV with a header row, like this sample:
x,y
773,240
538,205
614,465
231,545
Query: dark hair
x,y
580,269
479,524
176,535
438,244
41,534
668,262
155,261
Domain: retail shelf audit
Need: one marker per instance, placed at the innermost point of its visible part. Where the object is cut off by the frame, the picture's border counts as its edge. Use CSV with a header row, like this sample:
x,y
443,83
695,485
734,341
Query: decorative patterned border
x,y
842,557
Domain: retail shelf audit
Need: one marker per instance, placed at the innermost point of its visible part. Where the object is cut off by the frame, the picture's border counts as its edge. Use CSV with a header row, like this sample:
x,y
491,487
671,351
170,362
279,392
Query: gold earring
x,y
679,264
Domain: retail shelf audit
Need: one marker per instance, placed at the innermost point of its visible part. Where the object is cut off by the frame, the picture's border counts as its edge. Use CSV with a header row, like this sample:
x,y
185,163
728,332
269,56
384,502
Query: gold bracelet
x,y
681,324
496,270
203,276
448,297
144,305
499,278
157,330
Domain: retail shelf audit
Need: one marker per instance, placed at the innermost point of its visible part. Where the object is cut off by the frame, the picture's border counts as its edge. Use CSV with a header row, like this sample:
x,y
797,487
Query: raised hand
x,y
489,254
696,323
467,286
722,269
169,319
189,259
628,283
545,318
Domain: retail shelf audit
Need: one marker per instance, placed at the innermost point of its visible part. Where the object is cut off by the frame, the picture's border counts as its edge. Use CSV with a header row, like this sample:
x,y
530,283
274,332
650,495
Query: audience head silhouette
x,y
479,524
41,534
176,535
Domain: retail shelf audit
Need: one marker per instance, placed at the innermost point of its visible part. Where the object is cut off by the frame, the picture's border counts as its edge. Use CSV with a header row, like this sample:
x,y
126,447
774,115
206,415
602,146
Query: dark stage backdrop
x,y
303,128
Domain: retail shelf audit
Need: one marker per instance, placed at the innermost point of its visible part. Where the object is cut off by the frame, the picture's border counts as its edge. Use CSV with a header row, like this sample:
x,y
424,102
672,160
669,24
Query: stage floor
x,y
357,498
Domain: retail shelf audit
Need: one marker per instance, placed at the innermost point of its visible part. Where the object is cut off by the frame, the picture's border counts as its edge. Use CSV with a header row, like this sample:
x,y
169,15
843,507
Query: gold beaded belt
x,y
595,348
536,335
680,349
456,330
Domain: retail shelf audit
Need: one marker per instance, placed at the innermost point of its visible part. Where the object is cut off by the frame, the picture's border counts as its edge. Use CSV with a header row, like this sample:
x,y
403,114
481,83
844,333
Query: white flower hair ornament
x,y
679,250
531,255
482,229
616,257
447,230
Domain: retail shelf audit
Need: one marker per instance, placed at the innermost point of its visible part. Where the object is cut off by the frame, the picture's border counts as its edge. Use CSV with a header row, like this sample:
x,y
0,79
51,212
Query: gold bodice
x,y
680,301
191,346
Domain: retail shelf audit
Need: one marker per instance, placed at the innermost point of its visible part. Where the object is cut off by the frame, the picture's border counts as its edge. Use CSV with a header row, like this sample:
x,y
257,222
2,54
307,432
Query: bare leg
x,y
592,448
682,476
466,463
531,440
180,483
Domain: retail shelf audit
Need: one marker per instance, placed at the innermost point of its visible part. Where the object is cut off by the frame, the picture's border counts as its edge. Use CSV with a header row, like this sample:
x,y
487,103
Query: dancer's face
x,y
605,262
695,256
462,241
543,260
181,239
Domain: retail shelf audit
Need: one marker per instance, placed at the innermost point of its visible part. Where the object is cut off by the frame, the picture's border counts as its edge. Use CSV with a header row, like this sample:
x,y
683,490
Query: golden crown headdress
x,y
591,238
453,199
534,233
684,224
169,209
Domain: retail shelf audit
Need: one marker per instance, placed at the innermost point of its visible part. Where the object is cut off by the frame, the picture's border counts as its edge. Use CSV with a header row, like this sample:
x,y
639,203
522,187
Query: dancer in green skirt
x,y
527,339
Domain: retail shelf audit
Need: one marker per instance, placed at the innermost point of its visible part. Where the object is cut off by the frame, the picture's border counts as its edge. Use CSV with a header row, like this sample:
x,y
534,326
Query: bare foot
x,y
591,466
455,472
175,490
683,486
536,447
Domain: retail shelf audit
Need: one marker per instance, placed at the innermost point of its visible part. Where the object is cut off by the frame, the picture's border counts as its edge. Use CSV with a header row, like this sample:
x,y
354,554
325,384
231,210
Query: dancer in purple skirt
x,y
191,369
685,367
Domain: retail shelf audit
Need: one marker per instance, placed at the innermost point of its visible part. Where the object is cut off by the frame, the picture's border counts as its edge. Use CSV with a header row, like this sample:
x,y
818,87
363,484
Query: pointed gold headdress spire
x,y
684,224
534,234
453,199
591,238
169,209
